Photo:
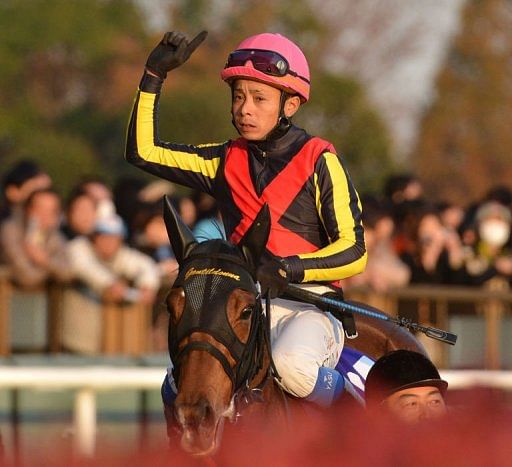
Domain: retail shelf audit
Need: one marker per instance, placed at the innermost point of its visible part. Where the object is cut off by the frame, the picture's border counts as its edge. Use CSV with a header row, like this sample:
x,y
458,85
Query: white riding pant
x,y
303,339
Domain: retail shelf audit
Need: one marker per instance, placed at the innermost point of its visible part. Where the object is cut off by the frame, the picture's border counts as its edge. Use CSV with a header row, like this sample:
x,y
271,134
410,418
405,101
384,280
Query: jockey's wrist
x,y
151,83
294,268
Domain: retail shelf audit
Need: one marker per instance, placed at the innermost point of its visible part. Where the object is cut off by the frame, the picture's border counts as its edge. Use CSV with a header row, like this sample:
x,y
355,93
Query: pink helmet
x,y
272,59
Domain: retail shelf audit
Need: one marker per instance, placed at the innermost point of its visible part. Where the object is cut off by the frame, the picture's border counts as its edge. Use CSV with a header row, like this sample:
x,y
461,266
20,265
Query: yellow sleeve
x,y
189,165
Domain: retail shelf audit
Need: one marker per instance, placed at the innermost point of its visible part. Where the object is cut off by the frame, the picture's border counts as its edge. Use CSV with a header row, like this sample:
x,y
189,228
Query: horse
x,y
219,336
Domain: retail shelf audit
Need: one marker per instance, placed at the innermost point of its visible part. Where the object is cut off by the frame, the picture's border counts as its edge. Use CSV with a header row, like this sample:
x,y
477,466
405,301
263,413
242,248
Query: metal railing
x,y
88,381
126,328
434,305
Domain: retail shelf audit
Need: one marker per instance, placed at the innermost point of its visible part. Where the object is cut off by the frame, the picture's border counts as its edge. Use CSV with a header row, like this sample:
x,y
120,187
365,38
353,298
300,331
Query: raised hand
x,y
173,50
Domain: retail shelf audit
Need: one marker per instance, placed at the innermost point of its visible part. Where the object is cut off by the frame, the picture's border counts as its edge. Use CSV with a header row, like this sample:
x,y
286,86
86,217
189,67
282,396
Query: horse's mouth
x,y
205,439
202,441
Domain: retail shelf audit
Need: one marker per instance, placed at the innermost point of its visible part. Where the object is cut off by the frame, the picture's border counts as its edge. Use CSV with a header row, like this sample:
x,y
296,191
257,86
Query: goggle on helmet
x,y
272,59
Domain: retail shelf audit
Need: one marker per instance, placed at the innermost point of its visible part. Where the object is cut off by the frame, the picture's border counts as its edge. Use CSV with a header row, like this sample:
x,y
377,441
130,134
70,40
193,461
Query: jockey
x,y
316,235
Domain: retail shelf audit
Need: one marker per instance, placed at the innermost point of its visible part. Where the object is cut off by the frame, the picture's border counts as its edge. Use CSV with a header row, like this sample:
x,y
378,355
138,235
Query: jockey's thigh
x,y
303,339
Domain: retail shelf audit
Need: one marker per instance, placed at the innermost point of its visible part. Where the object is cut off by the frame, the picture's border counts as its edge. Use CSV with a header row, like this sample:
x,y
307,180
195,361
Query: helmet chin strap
x,y
283,122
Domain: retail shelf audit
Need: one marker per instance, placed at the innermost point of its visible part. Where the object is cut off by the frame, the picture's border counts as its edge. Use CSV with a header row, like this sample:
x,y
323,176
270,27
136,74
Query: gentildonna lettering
x,y
208,271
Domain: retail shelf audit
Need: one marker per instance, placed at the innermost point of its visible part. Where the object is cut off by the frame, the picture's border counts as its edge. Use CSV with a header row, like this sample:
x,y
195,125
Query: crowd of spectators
x,y
414,240
110,243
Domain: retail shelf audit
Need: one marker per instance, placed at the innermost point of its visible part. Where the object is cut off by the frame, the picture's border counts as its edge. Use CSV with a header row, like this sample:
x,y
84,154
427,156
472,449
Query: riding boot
x,y
329,386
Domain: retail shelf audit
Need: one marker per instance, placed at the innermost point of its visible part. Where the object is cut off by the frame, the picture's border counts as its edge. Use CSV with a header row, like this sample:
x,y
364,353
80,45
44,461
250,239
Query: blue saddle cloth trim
x,y
168,395
354,366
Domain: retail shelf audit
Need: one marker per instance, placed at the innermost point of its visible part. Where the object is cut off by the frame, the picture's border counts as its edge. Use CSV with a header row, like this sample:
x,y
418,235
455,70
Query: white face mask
x,y
494,232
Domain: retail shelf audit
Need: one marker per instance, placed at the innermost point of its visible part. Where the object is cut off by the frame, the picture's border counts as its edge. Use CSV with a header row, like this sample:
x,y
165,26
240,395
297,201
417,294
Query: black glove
x,y
172,51
273,276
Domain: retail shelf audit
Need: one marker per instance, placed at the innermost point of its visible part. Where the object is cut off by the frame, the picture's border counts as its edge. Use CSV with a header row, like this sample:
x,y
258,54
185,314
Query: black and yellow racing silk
x,y
315,209
279,194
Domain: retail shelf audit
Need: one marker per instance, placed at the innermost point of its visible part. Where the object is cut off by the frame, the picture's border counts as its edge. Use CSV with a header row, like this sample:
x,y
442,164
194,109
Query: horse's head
x,y
215,327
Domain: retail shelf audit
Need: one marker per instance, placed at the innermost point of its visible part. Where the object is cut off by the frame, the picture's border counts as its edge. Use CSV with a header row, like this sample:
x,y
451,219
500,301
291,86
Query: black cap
x,y
21,172
401,369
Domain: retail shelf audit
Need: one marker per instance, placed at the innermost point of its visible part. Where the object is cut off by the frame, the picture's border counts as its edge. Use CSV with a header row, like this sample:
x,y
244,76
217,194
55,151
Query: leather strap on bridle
x,y
212,350
220,266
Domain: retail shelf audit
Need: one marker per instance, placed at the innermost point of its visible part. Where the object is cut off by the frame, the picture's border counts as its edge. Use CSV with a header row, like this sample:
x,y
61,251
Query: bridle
x,y
207,279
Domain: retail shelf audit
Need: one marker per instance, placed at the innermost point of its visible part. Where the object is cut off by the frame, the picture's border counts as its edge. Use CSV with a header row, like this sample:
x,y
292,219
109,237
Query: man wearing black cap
x,y
18,183
407,385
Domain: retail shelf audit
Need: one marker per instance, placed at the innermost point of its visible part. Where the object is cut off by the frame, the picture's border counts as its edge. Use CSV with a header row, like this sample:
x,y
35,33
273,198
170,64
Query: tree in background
x,y
338,110
466,138
70,69
340,113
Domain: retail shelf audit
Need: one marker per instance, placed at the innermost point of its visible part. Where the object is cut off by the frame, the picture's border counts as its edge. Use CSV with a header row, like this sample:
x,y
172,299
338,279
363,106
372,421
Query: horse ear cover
x,y
254,242
180,236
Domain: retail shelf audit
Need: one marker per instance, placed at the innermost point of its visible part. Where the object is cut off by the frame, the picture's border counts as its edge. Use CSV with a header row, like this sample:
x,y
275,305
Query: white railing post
x,y
84,420
87,381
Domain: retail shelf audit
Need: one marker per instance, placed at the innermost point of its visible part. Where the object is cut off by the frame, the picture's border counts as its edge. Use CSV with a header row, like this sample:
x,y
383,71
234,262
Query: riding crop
x,y
337,305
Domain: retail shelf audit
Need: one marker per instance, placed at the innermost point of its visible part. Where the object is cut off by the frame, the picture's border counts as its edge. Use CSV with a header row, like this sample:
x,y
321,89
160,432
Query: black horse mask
x,y
209,272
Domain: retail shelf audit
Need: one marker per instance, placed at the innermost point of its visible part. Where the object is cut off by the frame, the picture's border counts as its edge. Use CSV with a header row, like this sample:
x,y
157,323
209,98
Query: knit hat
x,y
110,225
493,209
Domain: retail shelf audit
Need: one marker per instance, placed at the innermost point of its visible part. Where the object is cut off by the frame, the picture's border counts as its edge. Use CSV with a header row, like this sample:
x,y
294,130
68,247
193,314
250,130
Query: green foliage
x,y
63,156
70,69
58,58
464,146
197,114
65,40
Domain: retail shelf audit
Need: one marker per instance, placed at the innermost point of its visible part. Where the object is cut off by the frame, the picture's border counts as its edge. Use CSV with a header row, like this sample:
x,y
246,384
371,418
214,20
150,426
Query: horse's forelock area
x,y
205,291
214,270
217,246
196,290
208,286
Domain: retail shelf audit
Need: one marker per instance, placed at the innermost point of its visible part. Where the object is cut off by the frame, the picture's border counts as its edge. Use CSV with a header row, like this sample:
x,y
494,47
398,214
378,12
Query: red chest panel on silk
x,y
278,194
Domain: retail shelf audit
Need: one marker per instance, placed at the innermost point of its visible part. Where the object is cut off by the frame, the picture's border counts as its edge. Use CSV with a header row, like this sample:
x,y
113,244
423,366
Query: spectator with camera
x,y
32,246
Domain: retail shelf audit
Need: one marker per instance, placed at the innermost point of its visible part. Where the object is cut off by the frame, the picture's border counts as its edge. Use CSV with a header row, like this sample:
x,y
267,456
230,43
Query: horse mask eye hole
x,y
246,312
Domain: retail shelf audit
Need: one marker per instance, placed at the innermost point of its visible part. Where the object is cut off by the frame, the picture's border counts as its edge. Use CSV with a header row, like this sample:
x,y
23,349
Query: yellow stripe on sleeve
x,y
346,227
341,198
333,274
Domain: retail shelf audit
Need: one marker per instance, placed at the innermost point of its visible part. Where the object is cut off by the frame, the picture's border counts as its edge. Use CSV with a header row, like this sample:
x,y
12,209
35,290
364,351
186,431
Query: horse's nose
x,y
192,415
198,426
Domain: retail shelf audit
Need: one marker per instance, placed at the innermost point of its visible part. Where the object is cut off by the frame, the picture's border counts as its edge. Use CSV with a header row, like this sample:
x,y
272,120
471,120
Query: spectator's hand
x,y
169,269
173,50
430,254
454,247
273,277
147,296
37,255
504,265
387,275
115,292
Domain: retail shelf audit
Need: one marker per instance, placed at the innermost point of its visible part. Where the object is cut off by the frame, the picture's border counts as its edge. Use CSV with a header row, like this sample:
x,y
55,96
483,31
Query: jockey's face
x,y
415,404
255,108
